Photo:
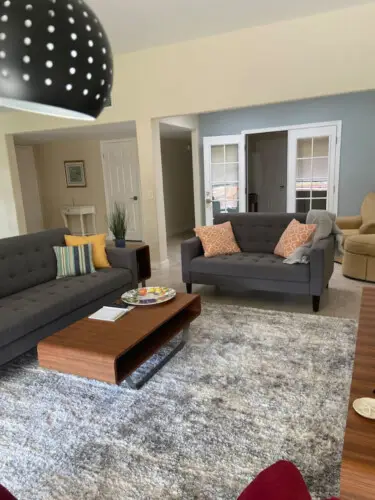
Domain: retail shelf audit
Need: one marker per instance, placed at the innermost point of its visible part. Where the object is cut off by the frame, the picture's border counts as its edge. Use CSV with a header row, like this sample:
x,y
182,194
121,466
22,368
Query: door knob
x,y
135,198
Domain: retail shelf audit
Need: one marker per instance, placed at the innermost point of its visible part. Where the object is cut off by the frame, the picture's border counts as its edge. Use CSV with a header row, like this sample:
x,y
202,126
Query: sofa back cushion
x,y
258,232
28,260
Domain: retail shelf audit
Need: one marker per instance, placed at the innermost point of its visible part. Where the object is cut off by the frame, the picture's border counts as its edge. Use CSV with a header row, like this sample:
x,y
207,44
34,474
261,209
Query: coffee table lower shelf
x,y
111,352
128,359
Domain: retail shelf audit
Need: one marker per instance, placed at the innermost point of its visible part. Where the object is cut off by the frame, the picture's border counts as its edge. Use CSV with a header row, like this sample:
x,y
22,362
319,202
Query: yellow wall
x,y
319,55
177,168
49,160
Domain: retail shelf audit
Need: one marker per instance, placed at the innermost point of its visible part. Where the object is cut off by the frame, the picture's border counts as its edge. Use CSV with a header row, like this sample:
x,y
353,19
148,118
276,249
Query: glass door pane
x,y
231,153
321,146
224,175
304,148
217,154
218,172
312,173
224,168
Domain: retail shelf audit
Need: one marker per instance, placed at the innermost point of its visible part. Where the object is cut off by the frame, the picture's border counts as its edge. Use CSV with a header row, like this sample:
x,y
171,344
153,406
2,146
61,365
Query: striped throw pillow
x,y
74,261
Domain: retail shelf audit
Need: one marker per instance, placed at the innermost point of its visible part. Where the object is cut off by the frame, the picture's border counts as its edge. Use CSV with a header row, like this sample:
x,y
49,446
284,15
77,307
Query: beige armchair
x,y
360,224
355,228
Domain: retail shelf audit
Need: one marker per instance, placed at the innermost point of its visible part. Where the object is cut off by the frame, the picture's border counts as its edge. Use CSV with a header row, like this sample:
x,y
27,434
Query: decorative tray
x,y
365,407
148,296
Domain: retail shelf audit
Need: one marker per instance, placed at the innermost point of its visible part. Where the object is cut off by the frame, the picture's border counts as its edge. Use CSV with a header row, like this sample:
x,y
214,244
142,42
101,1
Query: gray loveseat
x,y
33,304
257,267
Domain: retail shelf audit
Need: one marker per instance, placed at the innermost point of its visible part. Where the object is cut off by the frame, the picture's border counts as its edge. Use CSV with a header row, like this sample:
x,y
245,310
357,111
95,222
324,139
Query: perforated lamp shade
x,y
55,58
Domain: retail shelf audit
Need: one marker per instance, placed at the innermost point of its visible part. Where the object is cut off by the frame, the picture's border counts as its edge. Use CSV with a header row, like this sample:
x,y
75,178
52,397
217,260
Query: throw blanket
x,y
326,226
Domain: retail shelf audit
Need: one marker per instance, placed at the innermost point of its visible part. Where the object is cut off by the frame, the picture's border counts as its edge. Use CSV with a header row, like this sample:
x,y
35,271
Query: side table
x,y
143,259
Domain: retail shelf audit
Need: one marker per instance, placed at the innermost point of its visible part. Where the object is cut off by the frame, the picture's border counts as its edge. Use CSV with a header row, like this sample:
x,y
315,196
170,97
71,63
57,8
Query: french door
x,y
312,172
224,171
121,181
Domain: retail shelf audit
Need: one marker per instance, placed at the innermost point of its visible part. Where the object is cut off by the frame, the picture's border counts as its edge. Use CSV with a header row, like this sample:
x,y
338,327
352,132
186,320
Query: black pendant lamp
x,y
55,58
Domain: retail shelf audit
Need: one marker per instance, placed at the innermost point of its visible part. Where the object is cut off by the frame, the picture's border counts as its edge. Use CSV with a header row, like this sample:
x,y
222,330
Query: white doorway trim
x,y
107,196
336,123
197,177
223,140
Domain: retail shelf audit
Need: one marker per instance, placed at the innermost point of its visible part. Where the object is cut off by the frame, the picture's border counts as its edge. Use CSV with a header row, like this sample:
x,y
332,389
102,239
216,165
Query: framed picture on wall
x,y
75,173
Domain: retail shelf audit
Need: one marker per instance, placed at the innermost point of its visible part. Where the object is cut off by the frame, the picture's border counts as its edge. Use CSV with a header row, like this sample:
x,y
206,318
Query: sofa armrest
x,y
125,258
321,264
350,222
368,228
189,250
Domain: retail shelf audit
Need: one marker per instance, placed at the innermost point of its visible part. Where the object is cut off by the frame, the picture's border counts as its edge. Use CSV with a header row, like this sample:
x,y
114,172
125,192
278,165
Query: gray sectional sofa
x,y
257,267
34,305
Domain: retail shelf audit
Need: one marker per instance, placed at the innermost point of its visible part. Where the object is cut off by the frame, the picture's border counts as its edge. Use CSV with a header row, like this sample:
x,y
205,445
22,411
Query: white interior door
x,y
224,172
30,188
313,159
121,181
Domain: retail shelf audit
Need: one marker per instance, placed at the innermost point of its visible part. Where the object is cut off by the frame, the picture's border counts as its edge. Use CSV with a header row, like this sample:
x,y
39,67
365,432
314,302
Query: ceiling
x,y
138,24
109,131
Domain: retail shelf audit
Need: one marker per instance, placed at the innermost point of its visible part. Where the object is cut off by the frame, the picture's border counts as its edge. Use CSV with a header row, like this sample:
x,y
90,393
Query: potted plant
x,y
117,224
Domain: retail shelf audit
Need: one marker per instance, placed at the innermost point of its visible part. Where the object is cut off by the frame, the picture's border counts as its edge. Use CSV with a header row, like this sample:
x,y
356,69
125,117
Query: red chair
x,y
5,495
281,481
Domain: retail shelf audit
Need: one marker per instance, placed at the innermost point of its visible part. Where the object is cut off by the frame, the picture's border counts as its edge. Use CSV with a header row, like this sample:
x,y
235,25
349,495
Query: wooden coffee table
x,y
111,352
358,461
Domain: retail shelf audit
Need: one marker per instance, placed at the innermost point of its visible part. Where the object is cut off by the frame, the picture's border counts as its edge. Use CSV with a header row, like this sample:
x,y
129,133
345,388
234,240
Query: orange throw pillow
x,y
217,240
294,236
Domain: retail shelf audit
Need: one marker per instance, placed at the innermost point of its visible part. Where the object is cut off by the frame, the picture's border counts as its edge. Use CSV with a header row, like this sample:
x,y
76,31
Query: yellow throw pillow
x,y
98,242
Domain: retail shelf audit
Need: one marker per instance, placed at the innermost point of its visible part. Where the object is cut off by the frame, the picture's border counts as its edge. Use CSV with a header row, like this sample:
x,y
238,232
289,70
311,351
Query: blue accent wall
x,y
357,112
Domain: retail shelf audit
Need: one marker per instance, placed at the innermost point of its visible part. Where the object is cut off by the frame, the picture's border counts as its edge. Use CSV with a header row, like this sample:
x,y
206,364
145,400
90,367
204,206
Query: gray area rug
x,y
252,387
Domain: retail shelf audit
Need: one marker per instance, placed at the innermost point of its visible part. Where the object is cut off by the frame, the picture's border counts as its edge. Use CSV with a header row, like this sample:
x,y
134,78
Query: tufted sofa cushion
x,y
251,265
258,232
25,311
29,260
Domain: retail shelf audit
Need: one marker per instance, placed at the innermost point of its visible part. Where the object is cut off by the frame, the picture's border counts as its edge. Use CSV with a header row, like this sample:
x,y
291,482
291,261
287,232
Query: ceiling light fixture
x,y
47,50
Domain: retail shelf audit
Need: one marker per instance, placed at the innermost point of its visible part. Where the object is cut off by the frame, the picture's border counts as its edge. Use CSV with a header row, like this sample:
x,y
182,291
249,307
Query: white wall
x,y
178,185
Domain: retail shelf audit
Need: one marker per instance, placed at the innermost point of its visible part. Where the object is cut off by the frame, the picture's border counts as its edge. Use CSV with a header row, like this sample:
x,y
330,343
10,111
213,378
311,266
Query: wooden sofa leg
x,y
189,287
316,302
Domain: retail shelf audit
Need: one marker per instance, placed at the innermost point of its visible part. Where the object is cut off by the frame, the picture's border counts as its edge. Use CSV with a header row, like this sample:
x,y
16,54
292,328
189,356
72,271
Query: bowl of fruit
x,y
148,296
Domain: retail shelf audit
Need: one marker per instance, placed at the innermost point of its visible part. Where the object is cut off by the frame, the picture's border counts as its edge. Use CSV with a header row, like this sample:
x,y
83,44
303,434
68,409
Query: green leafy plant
x,y
117,221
